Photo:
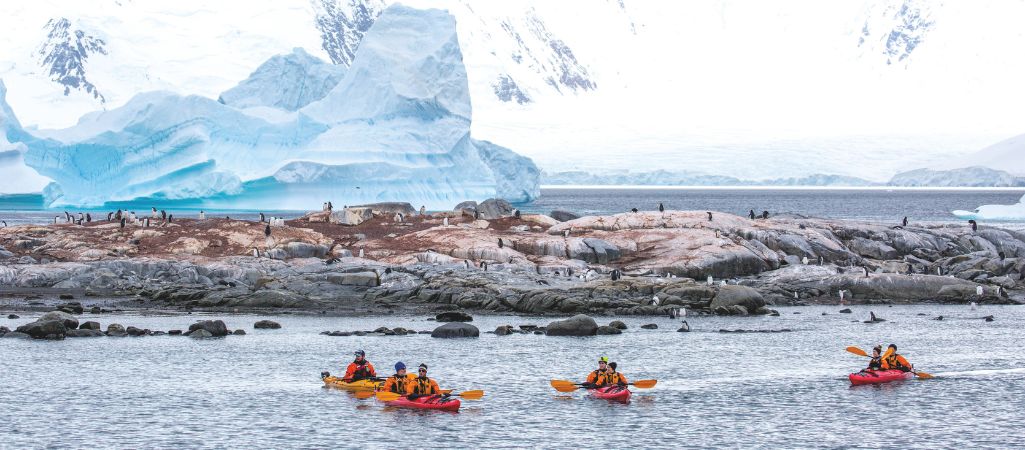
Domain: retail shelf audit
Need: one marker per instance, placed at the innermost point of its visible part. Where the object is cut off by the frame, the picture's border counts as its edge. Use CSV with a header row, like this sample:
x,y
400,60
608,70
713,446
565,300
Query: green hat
x,y
603,359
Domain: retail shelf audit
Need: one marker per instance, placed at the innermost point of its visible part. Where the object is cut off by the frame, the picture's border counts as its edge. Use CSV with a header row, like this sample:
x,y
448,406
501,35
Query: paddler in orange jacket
x,y
422,385
896,361
359,369
400,382
599,377
615,377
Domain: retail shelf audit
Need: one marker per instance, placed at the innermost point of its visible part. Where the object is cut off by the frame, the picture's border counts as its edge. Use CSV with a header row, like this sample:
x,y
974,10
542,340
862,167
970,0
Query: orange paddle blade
x,y
471,395
645,384
384,396
923,375
888,352
363,395
857,351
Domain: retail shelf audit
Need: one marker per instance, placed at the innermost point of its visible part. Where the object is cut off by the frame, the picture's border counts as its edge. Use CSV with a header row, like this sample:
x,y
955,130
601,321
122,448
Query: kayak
x,y
359,385
427,402
879,376
615,393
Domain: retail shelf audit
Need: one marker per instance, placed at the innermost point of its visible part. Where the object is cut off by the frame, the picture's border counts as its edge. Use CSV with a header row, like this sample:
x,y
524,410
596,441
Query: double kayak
x,y
879,376
359,385
614,393
436,402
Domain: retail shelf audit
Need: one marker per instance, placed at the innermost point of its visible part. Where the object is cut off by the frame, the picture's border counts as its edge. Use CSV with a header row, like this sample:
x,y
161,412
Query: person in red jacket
x,y
359,369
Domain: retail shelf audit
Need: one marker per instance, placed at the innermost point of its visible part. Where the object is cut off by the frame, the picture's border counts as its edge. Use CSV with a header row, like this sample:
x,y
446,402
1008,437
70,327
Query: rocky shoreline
x,y
390,258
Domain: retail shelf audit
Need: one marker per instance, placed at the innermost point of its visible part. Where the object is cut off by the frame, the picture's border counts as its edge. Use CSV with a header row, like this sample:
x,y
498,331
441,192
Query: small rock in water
x,y
116,329
455,330
13,316
845,311
608,330
175,332
239,332
200,333
989,318
650,326
617,324
938,318
504,330
684,328
66,297
266,325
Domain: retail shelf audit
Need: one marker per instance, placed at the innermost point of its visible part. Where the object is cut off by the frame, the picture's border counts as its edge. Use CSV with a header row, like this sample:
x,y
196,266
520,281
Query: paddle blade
x,y
923,375
563,385
888,352
857,351
644,384
471,395
385,396
363,395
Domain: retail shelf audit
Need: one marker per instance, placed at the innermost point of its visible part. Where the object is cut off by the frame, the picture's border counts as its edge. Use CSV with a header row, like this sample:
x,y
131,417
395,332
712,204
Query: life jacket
x,y
896,362
360,371
397,384
424,386
876,363
598,378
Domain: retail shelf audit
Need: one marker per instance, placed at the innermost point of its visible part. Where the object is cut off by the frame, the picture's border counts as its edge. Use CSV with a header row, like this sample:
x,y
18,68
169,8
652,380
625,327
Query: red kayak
x,y
427,402
879,376
615,393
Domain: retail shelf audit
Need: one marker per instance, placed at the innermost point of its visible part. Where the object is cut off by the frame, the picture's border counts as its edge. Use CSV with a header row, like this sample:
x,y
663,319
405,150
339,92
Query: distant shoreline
x,y
790,188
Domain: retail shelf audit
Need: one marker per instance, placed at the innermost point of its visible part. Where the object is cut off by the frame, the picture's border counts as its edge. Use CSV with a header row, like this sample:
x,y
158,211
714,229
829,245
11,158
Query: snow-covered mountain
x,y
395,127
750,90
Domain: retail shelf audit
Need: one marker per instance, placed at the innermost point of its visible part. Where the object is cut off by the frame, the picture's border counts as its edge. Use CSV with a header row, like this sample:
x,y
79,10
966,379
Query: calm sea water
x,y
863,204
781,390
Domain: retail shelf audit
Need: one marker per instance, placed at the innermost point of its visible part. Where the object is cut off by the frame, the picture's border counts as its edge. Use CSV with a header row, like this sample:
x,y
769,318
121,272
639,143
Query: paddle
x,y
385,396
569,386
923,375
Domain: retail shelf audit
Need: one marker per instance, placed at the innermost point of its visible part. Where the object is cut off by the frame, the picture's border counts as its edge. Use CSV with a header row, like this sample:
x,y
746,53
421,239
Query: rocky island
x,y
489,257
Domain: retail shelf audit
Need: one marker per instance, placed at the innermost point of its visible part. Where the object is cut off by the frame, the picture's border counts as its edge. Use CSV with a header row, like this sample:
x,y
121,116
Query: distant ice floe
x,y
995,212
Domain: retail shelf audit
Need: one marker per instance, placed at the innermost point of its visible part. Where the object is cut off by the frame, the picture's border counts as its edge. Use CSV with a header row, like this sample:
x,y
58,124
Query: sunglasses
x,y
422,370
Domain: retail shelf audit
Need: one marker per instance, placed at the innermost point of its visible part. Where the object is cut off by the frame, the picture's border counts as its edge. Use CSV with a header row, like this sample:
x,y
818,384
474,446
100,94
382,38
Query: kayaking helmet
x,y
612,365
361,353
400,366
603,359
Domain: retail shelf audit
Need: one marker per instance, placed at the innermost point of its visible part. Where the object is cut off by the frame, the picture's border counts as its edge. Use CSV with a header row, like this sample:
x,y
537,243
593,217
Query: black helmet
x,y
361,353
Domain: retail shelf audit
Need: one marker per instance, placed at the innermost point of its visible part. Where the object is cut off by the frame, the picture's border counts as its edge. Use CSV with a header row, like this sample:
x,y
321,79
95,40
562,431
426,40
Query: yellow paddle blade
x,y
645,384
557,383
857,351
888,352
385,396
923,375
565,387
363,395
471,395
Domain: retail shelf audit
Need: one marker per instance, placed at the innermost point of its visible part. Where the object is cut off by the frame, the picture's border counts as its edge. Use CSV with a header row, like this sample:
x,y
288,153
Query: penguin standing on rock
x,y
709,215
109,215
500,244
616,274
633,209
170,218
661,208
262,218
88,217
55,219
751,214
975,225
905,222
765,214
123,223
266,231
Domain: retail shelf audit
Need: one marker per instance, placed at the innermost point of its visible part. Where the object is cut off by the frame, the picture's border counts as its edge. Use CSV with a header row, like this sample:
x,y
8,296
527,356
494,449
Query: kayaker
x,y
422,385
896,362
398,383
360,368
876,363
599,377
615,377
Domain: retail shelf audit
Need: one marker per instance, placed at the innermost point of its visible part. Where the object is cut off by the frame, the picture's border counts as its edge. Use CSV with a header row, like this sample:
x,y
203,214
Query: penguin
x,y
633,209
710,280
476,215
323,206
163,215
109,215
516,213
118,215
170,218
81,218
55,219
804,260
500,244
569,271
765,214
655,301
661,208
484,265
565,233
423,210
866,271
905,221
467,263
147,222
387,271
4,222
88,217
616,274
256,252
1001,255
330,207
709,215
751,214
153,212
266,230
131,217
202,215
67,217
820,260
331,261
975,225
445,222
262,218
123,223
685,327
361,252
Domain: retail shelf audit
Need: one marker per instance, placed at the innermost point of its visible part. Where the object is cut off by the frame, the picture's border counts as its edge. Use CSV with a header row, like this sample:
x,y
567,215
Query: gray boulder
x,y
455,330
468,207
44,329
133,331
351,216
872,249
116,329
389,208
90,325
731,295
200,333
494,208
605,330
266,325
369,279
84,332
504,330
578,325
216,328
69,321
239,332
305,250
617,324
563,216
15,335
453,316
650,326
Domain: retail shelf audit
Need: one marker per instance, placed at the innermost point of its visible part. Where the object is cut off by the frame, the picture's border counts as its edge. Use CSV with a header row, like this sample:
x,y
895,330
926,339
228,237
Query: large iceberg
x,y
16,176
995,212
395,127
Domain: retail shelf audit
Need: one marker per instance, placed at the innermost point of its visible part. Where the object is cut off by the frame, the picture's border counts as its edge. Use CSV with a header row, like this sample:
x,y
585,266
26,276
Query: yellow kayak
x,y
360,385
